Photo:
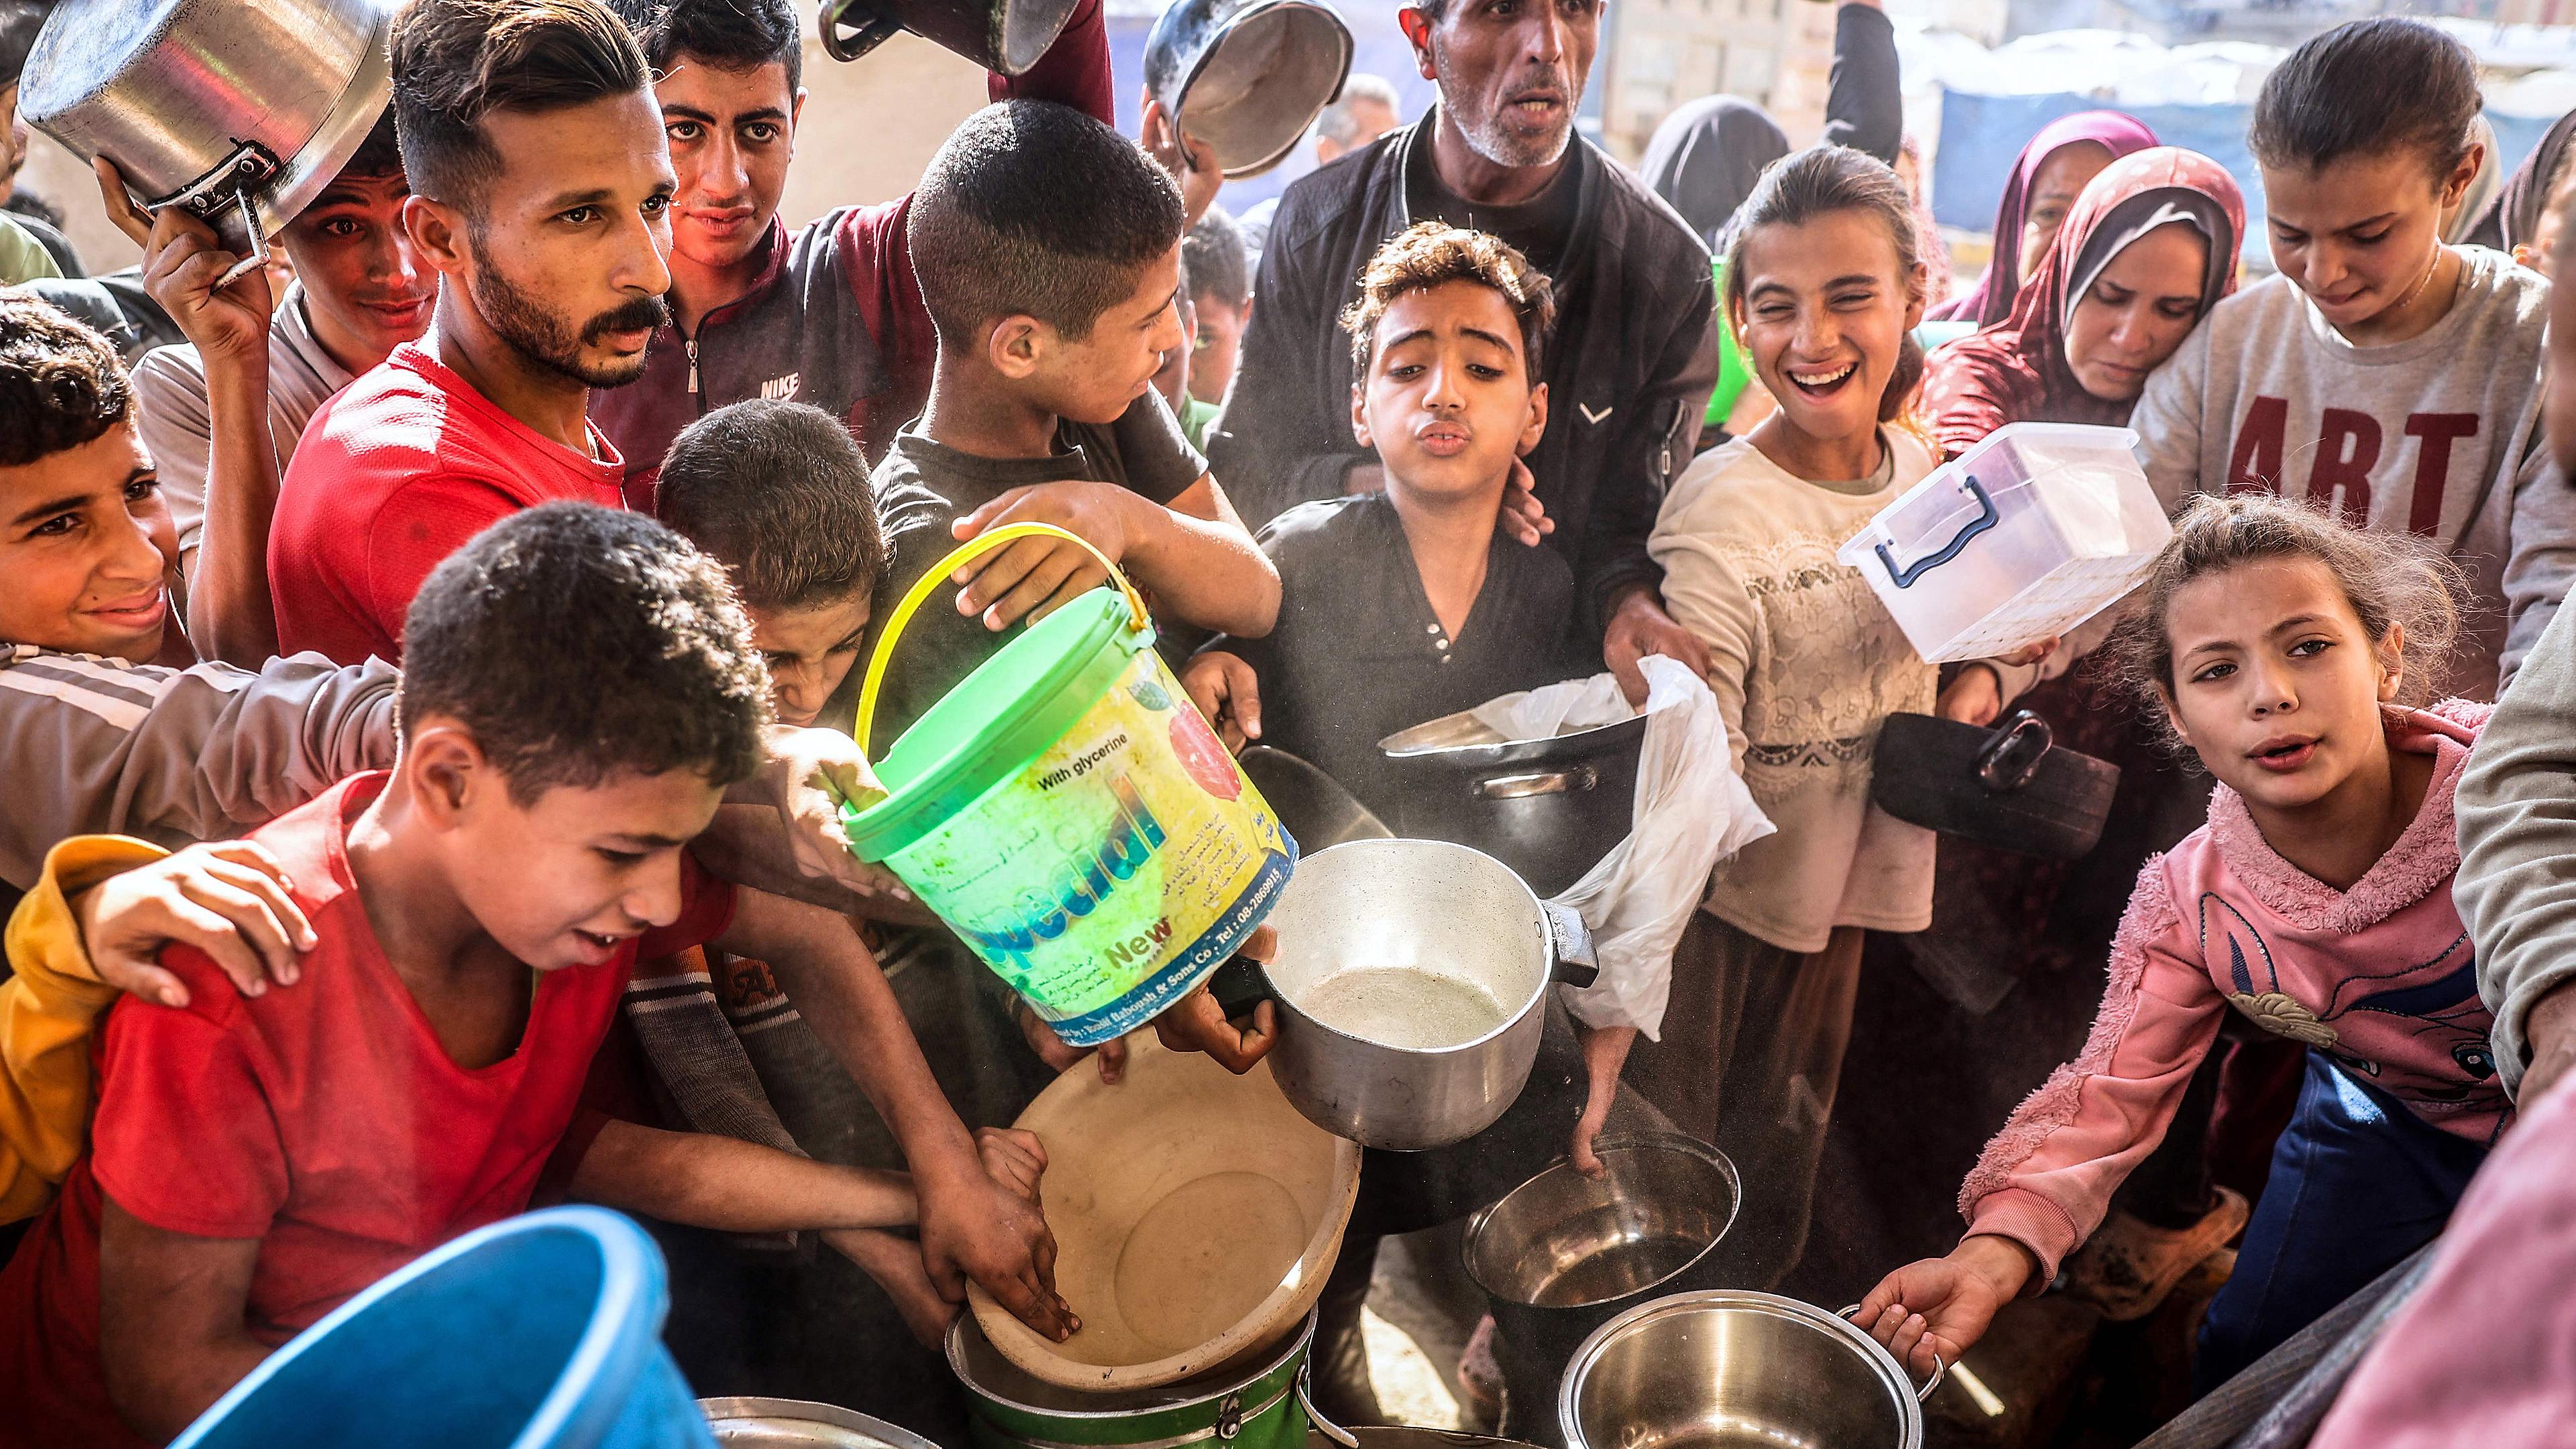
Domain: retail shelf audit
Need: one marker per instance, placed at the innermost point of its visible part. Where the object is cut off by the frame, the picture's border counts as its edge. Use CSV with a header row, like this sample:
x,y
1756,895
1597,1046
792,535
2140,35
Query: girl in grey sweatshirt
x,y
2381,373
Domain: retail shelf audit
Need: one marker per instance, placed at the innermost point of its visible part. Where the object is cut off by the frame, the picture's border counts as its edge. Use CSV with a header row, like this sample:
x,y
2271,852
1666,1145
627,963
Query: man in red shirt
x,y
540,192
582,690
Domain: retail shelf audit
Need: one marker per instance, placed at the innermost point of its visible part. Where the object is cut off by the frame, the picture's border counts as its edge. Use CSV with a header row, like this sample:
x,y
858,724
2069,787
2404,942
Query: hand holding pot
x,y
1196,1023
1191,161
182,262
1938,1308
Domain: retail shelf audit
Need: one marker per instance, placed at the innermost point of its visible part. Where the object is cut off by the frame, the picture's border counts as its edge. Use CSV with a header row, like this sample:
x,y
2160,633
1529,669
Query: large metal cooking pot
x,y
1549,808
1000,35
754,1423
1247,76
1562,1254
238,113
1428,906
1729,1370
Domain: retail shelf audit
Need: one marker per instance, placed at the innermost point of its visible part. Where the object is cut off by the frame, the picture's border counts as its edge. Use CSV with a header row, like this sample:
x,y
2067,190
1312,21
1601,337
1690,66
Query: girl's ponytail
x,y
1816,182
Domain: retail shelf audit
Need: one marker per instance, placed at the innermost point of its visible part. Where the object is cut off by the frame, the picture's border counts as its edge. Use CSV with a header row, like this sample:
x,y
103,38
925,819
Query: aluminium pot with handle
x,y
2011,787
1724,1368
1463,940
239,114
1548,808
1002,36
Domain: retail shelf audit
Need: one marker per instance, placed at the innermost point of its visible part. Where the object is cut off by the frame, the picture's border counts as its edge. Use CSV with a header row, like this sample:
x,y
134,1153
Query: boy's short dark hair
x,y
456,61
1035,209
2366,88
1429,254
1218,266
777,493
61,385
575,641
734,35
380,154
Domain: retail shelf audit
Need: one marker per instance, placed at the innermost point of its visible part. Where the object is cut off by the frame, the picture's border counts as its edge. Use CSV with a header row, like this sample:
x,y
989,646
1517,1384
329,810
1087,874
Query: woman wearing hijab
x,y
2514,218
2052,171
2148,248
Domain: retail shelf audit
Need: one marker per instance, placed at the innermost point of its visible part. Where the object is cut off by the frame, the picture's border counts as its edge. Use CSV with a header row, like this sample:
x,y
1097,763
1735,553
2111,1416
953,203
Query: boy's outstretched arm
x,y
705,1180
1193,556
171,1338
971,1226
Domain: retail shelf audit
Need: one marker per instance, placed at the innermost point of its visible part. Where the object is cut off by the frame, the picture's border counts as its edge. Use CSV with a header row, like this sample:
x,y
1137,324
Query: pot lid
x,y
1462,741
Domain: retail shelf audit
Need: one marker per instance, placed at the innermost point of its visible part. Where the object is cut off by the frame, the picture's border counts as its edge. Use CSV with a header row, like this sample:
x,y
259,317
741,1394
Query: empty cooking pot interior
x,y
1719,1371
1414,943
1563,1240
1269,76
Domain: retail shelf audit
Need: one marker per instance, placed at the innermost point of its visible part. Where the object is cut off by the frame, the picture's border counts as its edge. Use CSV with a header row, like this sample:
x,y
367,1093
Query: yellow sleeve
x,y
47,1011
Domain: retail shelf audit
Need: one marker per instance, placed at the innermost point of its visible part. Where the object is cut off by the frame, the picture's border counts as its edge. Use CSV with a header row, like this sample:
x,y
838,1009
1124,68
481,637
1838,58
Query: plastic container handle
x,y
963,554
1985,519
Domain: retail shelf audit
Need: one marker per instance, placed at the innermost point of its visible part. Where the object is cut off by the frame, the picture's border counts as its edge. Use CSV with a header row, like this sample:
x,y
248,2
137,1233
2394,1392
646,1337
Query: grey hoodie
x,y
91,745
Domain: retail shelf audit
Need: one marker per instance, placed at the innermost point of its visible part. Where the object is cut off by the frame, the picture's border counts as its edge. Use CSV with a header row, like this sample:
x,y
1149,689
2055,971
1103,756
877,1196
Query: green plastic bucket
x,y
1256,1407
1067,811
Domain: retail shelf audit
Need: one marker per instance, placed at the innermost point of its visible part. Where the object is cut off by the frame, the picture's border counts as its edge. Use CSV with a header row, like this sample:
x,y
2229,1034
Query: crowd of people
x,y
427,671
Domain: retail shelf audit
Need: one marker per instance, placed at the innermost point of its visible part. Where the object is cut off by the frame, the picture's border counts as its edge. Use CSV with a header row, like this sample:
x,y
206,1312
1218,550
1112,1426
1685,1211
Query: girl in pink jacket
x,y
2317,901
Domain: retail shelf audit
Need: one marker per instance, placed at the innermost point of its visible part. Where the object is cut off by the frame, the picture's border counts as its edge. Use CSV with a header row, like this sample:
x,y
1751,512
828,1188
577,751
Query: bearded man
x,y
1631,361
541,191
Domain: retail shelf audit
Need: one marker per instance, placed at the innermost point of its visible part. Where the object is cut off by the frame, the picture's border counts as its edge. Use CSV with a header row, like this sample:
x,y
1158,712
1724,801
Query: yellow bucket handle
x,y
965,553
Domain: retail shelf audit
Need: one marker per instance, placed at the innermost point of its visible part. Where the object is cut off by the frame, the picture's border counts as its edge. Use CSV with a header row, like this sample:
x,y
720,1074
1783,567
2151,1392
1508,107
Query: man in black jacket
x,y
1634,354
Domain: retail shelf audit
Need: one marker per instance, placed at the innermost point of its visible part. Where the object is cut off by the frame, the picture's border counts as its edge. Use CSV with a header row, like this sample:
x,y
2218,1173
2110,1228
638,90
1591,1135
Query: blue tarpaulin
x,y
1981,136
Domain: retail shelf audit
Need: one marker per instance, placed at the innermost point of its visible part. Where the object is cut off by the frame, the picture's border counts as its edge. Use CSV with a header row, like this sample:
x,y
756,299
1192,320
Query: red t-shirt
x,y
392,476
322,1118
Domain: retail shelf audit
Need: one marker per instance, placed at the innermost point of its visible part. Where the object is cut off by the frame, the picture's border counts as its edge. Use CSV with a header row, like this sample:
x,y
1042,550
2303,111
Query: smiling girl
x,y
2382,373
2277,643
1824,284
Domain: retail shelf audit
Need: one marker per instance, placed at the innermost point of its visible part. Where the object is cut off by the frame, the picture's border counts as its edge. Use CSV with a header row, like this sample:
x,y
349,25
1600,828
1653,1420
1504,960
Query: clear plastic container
x,y
2028,534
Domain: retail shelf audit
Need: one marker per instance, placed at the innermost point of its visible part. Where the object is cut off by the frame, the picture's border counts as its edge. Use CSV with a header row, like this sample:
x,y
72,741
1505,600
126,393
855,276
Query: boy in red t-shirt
x,y
581,690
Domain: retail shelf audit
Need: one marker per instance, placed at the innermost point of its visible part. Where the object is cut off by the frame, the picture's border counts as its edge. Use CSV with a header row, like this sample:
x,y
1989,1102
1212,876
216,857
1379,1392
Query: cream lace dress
x,y
1805,663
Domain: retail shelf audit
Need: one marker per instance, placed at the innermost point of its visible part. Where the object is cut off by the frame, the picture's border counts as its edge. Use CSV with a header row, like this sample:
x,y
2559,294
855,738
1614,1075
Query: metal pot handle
x,y
1570,941
1554,782
231,183
876,31
1315,1416
2012,757
1940,1370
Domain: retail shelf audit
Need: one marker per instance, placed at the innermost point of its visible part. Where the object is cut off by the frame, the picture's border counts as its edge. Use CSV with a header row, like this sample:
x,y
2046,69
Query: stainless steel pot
x,y
1562,1254
1247,76
1548,808
754,1423
1000,35
238,113
1729,1370
1428,906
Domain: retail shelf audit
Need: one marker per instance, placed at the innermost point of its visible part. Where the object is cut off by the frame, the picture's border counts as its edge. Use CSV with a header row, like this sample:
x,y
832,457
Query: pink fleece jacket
x,y
2380,977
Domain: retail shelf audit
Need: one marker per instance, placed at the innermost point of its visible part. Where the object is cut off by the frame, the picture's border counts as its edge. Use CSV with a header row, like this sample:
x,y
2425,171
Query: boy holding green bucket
x,y
579,690
1048,249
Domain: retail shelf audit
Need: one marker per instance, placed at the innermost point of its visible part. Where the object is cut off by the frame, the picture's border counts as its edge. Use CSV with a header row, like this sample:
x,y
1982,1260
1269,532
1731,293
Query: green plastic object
x,y
1733,372
1259,1408
1067,811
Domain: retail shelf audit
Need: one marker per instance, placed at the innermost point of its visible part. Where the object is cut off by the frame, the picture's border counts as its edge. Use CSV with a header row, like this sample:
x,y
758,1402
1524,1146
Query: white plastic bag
x,y
1692,811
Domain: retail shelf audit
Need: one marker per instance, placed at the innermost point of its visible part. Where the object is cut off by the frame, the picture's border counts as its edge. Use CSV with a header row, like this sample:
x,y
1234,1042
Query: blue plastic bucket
x,y
541,1332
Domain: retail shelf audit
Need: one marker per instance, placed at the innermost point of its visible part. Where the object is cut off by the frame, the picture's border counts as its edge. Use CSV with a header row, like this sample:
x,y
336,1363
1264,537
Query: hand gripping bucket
x,y
1069,813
